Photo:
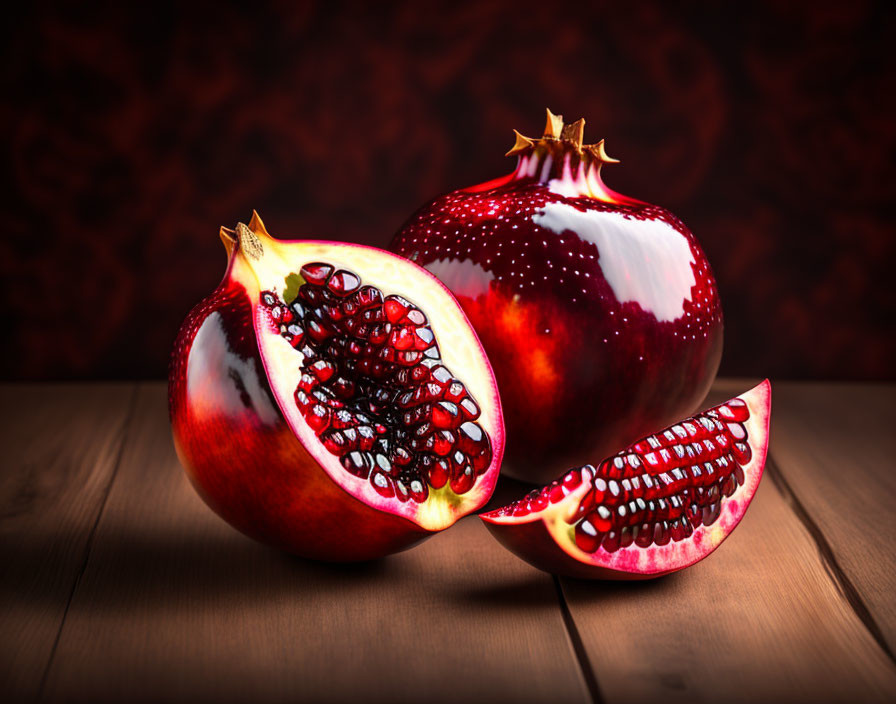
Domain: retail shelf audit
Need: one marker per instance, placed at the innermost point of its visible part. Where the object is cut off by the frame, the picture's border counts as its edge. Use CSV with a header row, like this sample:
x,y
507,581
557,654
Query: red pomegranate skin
x,y
242,457
599,326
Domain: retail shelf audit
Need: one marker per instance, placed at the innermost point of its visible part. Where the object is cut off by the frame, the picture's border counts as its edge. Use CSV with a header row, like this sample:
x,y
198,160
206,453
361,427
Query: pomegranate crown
x,y
561,138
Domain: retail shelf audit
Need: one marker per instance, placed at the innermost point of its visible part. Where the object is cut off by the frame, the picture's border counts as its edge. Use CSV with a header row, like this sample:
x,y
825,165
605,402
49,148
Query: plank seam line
x,y
125,429
578,646
841,580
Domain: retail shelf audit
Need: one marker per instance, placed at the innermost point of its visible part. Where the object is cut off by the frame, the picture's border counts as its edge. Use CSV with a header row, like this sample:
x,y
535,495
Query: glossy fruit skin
x,y
581,371
242,457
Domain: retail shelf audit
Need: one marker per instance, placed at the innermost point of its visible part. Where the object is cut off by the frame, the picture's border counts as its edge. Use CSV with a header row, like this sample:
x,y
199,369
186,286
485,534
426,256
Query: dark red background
x,y
131,135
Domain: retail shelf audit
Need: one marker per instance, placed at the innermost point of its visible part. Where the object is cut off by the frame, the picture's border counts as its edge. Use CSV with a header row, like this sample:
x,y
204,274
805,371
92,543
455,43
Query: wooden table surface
x,y
118,583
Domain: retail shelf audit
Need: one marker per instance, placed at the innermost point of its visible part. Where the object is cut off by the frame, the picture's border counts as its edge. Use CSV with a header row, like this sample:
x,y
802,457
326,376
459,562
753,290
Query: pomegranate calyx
x,y
560,140
561,160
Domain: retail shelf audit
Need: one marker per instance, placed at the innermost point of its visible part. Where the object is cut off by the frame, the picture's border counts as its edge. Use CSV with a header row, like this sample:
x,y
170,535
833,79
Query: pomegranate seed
x,y
445,415
438,474
316,273
363,357
382,484
587,537
319,418
463,481
395,308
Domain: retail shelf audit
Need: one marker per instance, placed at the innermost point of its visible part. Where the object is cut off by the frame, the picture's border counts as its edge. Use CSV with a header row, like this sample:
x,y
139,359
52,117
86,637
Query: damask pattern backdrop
x,y
131,134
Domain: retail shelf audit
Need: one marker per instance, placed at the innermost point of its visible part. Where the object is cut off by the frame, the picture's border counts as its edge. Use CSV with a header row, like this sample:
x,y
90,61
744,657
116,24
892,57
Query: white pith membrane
x,y
269,266
560,519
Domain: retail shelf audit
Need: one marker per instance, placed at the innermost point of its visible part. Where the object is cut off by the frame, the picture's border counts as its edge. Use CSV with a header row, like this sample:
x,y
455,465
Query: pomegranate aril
x,y
379,334
601,519
482,459
455,391
423,339
445,414
343,283
611,541
469,409
382,484
368,296
296,339
471,438
366,437
461,482
587,536
556,493
742,453
318,330
644,536
729,486
401,491
418,373
439,374
402,457
357,463
586,505
402,338
316,273
395,308
573,478
344,388
438,474
419,490
443,442
694,514
322,370
408,358
319,418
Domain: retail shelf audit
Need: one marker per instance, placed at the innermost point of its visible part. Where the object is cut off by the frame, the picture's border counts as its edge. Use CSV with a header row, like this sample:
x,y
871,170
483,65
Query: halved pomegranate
x,y
332,399
660,505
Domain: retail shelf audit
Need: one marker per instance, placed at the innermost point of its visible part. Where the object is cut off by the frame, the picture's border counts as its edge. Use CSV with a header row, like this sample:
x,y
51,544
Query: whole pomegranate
x,y
599,312
332,399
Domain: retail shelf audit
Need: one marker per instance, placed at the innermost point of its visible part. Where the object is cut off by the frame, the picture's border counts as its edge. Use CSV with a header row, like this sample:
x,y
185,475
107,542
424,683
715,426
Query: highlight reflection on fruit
x,y
660,505
599,312
332,399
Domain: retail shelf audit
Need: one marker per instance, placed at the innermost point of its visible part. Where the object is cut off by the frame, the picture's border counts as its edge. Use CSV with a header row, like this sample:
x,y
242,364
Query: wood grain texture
x,y
60,448
174,605
758,620
833,444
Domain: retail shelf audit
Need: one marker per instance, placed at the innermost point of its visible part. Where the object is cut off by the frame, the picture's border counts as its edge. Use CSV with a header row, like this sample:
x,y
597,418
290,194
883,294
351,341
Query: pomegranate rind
x,y
243,459
546,538
278,260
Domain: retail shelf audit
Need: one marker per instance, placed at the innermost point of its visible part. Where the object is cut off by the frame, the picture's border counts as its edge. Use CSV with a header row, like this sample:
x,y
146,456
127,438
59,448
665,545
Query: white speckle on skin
x,y
647,262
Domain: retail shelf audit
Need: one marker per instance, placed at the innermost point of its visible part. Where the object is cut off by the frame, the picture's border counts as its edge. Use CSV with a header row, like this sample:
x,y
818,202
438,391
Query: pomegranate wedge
x,y
660,505
332,399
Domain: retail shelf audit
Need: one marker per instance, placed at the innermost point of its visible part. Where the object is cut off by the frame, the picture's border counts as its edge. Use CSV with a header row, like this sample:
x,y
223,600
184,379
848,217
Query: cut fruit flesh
x,y
315,303
374,389
658,506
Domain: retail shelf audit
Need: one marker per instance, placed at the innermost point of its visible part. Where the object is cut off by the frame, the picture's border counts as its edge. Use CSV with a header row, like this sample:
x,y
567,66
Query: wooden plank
x,y
833,445
60,447
176,606
759,620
